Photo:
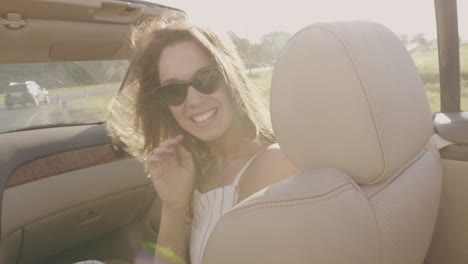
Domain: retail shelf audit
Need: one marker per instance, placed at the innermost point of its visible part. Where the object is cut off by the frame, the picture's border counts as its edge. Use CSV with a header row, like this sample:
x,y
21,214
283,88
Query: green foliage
x,y
90,109
271,45
428,66
420,39
263,53
427,62
404,40
262,82
242,45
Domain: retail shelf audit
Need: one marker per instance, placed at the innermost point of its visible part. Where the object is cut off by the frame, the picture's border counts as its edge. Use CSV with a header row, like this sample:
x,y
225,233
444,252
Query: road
x,y
256,70
53,113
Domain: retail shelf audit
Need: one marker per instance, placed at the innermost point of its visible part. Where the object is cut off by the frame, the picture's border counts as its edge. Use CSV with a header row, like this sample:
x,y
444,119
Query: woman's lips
x,y
204,117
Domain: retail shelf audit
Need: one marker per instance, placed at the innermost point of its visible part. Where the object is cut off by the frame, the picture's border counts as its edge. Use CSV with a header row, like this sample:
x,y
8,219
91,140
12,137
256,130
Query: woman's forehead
x,y
181,60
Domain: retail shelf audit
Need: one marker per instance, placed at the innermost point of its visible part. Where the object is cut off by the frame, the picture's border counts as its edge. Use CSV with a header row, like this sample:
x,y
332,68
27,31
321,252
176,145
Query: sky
x,y
253,18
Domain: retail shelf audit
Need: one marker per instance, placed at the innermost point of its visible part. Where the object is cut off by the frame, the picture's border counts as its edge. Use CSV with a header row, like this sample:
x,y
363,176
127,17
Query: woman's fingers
x,y
155,158
163,150
169,155
185,157
167,146
172,141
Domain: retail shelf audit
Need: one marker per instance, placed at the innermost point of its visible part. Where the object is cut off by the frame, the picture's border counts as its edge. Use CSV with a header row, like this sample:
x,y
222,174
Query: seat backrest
x,y
349,109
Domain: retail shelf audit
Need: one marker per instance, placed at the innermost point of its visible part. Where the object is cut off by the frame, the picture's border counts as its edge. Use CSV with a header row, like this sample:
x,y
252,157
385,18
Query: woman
x,y
189,113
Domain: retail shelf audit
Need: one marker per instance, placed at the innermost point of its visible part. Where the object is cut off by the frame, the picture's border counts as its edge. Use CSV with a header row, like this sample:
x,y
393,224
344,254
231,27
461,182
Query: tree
x,y
404,40
421,40
265,52
272,44
242,45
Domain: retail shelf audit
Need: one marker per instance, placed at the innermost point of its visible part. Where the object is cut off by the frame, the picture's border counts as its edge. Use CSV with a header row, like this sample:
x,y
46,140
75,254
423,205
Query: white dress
x,y
208,208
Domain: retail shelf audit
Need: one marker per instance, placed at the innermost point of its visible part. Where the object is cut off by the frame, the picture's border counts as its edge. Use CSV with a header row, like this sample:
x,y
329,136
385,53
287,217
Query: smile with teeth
x,y
203,117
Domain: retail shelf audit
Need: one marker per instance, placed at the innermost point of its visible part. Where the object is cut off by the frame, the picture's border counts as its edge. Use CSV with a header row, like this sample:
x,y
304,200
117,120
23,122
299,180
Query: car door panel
x,y
77,225
63,187
10,247
450,238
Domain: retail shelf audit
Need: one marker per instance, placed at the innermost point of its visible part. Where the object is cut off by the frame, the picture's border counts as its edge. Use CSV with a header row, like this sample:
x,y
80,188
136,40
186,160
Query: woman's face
x,y
205,116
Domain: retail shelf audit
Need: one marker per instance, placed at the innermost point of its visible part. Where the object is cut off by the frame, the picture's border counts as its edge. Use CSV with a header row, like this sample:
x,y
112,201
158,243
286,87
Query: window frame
x,y
449,55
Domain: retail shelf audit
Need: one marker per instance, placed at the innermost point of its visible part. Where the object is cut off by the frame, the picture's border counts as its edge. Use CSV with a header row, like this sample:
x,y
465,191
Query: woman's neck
x,y
240,141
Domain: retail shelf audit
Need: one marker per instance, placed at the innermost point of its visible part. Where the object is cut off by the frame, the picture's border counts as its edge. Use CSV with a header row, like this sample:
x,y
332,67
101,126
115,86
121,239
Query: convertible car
x,y
383,177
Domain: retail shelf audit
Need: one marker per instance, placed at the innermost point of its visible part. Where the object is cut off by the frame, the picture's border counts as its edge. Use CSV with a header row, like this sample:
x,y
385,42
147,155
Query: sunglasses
x,y
205,80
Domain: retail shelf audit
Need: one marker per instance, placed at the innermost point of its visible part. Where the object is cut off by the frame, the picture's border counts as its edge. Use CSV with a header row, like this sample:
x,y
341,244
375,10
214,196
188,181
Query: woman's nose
x,y
194,97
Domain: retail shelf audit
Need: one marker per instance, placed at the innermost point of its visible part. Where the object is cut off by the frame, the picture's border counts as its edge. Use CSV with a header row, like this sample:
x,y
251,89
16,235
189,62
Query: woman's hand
x,y
172,171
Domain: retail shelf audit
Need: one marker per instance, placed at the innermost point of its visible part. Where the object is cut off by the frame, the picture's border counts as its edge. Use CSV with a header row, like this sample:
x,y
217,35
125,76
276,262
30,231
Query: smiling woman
x,y
189,112
140,113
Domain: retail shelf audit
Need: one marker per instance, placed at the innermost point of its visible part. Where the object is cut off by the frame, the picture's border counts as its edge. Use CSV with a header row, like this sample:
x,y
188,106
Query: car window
x,y
59,93
12,88
463,35
259,29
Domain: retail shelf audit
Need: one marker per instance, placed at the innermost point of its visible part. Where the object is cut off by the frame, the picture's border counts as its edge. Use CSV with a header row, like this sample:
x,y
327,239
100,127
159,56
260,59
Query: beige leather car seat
x,y
350,110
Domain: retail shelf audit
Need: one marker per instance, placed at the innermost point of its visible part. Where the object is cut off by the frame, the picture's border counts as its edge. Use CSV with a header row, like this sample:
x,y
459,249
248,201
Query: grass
x,y
428,67
69,89
89,110
428,63
464,58
87,87
262,81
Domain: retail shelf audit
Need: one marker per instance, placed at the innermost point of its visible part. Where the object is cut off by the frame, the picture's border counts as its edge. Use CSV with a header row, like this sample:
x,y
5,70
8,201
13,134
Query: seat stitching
x,y
285,198
398,173
345,46
259,206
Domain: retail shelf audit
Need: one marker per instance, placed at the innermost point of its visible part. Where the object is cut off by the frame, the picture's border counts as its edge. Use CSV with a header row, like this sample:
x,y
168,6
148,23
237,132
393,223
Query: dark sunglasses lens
x,y
207,82
173,94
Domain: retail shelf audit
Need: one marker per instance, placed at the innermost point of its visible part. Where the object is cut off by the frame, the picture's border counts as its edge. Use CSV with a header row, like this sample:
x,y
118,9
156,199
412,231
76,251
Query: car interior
x,y
382,182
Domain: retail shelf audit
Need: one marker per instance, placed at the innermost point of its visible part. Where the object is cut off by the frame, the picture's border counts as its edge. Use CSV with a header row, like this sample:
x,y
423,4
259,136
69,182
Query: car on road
x,y
25,93
68,193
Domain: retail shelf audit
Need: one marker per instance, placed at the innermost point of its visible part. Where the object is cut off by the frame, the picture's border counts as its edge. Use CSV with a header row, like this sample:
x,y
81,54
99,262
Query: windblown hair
x,y
138,122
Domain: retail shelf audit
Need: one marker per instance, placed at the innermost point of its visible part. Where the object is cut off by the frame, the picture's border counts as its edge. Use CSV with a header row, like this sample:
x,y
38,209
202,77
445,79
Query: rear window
x,y
70,93
16,88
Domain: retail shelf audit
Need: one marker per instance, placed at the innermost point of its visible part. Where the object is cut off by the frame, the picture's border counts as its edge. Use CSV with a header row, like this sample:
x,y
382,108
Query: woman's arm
x,y
172,244
172,172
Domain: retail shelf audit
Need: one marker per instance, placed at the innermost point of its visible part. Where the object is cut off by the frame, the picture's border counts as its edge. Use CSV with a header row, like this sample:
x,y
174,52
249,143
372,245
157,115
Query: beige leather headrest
x,y
348,96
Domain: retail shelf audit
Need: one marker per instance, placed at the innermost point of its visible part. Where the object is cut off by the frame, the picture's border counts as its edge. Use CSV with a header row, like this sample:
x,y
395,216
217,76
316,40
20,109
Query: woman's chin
x,y
208,136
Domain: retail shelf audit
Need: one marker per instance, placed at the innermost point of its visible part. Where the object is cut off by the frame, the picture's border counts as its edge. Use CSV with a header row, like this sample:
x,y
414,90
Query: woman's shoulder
x,y
273,161
269,167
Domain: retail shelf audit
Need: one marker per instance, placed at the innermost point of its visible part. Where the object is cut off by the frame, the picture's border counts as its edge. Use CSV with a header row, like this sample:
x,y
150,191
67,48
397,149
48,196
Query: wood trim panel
x,y
64,162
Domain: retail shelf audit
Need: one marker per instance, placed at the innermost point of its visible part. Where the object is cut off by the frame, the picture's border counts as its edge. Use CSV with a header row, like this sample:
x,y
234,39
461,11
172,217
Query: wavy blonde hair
x,y
138,122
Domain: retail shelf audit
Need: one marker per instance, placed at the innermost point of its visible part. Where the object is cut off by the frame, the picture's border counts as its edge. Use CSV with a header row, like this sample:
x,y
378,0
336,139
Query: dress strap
x,y
241,172
239,176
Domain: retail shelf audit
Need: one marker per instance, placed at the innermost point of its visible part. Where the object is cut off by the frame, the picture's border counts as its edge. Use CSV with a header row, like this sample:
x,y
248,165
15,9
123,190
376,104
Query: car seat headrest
x,y
347,95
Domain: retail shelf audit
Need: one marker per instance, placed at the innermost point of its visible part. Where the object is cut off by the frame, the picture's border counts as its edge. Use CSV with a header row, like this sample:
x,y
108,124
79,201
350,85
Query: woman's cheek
x,y
177,113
